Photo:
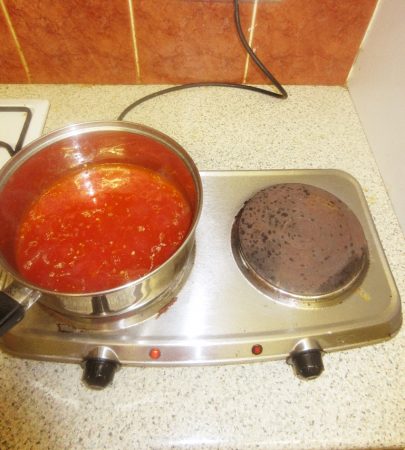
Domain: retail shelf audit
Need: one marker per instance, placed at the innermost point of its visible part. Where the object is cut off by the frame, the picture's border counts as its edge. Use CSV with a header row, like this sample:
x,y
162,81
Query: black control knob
x,y
307,363
99,372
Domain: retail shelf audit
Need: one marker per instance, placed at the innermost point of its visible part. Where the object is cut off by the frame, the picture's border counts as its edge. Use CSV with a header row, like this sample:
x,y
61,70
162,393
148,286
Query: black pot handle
x,y
11,312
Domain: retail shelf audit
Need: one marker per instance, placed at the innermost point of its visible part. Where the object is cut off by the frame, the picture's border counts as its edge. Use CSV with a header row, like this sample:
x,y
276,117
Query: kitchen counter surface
x,y
358,402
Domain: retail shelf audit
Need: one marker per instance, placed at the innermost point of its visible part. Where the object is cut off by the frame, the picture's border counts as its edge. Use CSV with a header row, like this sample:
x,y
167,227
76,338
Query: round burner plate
x,y
299,242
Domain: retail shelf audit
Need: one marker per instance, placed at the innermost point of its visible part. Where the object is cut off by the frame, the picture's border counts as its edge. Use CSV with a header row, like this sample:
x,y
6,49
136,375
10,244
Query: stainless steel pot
x,y
47,159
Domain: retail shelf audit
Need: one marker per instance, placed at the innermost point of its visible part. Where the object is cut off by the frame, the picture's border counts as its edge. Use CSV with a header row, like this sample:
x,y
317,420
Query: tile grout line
x,y
16,41
251,35
134,41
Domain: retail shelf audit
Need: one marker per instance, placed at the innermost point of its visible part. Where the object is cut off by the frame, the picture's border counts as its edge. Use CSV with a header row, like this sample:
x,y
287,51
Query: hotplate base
x,y
218,316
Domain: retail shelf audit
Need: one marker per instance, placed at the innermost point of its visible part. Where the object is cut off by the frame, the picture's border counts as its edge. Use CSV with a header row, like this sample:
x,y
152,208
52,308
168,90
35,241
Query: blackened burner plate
x,y
301,241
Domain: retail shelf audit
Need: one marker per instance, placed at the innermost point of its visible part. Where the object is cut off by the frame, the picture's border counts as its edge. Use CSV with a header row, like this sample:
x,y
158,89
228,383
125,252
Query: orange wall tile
x,y
310,41
178,41
188,41
75,41
11,68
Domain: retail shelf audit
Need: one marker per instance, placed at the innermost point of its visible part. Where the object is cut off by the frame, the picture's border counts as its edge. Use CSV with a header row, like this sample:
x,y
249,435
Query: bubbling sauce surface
x,y
100,227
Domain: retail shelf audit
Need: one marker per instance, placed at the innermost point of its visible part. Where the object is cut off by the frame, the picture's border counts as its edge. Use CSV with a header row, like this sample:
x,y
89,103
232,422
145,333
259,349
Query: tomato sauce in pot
x,y
100,227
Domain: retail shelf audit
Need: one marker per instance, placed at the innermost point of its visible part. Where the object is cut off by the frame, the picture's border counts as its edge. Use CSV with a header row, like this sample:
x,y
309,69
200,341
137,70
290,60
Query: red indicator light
x,y
154,353
257,349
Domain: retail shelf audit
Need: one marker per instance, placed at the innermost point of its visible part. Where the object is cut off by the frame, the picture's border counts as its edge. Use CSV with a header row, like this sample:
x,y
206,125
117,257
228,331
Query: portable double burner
x,y
285,264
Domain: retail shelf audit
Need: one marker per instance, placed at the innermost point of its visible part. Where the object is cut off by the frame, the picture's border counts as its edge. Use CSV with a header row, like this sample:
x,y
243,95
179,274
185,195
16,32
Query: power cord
x,y
282,94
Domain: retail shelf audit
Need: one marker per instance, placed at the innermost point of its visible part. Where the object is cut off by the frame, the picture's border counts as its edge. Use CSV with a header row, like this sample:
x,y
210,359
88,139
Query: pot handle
x,y
14,301
11,312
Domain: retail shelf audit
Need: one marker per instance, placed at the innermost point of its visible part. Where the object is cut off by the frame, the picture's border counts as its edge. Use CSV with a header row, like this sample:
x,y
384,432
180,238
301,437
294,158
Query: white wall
x,y
377,87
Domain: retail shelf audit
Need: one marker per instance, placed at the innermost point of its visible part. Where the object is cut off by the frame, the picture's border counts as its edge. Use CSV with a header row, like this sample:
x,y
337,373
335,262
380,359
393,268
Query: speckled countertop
x,y
358,402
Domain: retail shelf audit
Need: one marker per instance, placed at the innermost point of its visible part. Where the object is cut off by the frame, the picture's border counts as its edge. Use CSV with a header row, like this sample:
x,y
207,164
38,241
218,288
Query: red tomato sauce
x,y
100,227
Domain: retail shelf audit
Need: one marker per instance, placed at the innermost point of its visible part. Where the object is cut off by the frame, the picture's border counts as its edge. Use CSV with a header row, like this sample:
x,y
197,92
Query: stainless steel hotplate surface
x,y
219,316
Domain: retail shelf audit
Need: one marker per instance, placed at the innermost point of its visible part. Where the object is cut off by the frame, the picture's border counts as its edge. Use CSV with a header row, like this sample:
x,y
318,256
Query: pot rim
x,y
76,129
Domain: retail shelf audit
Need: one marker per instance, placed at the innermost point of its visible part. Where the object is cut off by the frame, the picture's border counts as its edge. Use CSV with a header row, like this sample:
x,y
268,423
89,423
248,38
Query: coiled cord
x,y
282,94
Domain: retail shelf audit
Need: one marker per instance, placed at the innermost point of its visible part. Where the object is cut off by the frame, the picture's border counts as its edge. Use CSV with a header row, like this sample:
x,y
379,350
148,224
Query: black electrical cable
x,y
8,147
282,94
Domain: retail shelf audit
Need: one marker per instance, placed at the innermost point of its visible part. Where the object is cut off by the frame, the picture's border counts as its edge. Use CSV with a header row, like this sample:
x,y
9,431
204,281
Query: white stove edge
x,y
39,110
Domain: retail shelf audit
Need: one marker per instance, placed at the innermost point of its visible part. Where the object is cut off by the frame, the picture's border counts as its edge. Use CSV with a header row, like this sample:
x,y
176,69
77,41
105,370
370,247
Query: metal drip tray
x,y
220,316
